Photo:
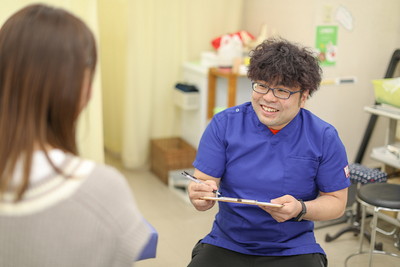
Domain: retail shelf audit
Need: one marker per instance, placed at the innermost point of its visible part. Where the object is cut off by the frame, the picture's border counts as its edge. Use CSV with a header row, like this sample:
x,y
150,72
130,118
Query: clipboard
x,y
243,201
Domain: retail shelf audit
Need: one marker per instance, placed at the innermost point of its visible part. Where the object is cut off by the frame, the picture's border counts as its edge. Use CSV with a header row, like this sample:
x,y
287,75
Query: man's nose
x,y
270,95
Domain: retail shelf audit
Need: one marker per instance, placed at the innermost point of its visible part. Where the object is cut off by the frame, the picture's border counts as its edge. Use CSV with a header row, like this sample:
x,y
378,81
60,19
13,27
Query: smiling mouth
x,y
269,109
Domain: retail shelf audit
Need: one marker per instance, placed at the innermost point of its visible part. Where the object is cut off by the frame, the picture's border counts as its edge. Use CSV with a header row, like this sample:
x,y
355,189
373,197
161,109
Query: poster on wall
x,y
326,44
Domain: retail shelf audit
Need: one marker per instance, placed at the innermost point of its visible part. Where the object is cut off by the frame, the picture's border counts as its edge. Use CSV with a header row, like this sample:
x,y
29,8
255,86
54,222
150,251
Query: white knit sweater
x,y
90,219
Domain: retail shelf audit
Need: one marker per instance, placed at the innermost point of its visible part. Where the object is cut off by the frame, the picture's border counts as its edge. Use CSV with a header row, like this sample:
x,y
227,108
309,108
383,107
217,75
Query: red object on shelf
x,y
243,35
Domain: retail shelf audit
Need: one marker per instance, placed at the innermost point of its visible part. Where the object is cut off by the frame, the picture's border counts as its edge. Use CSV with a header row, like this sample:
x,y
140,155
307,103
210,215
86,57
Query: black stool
x,y
379,196
359,175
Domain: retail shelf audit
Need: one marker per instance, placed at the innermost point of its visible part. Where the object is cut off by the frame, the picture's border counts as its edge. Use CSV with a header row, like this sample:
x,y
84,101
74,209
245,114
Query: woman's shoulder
x,y
104,178
106,189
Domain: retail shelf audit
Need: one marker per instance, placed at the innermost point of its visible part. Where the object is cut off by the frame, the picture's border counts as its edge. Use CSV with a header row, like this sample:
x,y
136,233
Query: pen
x,y
194,179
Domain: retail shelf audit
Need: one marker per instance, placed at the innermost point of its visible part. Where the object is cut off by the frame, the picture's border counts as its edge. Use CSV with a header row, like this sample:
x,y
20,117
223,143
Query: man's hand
x,y
197,190
291,208
327,206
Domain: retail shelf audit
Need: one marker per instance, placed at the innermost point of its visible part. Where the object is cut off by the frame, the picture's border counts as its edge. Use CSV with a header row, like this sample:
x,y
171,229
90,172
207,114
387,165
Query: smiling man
x,y
271,149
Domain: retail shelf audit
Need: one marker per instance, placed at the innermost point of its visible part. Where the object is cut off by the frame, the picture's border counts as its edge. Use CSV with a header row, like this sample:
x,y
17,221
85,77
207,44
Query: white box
x,y
178,184
186,100
209,59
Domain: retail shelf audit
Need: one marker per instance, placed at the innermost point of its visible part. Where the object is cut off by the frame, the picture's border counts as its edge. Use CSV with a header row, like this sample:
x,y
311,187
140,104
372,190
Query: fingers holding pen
x,y
199,190
211,186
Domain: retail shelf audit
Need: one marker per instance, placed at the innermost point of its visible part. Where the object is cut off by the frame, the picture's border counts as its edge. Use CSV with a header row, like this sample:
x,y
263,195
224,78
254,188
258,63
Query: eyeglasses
x,y
278,92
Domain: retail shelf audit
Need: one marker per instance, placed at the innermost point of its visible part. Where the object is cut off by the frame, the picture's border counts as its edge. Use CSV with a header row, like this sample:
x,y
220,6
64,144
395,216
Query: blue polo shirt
x,y
305,157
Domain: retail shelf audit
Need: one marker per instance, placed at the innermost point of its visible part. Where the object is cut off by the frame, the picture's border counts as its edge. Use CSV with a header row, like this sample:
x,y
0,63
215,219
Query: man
x,y
271,149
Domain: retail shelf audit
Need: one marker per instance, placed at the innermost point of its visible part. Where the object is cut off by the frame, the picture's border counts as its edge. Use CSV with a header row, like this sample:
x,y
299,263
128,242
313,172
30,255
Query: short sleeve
x,y
331,174
211,155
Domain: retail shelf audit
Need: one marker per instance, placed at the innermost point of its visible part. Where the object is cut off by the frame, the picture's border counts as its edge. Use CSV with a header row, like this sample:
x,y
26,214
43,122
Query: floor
x,y
180,226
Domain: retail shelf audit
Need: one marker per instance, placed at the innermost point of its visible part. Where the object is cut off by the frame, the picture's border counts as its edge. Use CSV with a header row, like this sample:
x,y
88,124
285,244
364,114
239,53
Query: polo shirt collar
x,y
285,131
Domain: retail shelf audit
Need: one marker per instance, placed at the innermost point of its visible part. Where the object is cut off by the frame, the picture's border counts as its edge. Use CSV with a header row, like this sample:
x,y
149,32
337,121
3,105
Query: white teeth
x,y
269,109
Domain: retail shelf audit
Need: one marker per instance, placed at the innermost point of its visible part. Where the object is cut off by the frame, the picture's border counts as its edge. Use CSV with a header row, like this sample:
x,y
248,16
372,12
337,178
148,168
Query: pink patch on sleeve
x,y
347,171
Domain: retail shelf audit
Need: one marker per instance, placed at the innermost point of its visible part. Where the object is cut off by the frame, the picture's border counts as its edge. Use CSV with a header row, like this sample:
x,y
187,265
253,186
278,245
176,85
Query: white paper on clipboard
x,y
243,201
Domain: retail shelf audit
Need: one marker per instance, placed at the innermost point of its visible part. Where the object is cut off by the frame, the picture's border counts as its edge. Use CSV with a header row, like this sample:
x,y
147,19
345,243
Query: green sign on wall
x,y
326,44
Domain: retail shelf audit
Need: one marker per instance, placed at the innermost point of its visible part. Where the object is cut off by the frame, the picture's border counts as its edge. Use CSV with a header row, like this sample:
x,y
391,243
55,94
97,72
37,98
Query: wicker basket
x,y
170,154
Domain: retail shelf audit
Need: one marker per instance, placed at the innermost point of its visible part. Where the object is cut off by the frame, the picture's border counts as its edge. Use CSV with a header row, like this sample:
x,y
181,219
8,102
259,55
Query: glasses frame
x,y
273,90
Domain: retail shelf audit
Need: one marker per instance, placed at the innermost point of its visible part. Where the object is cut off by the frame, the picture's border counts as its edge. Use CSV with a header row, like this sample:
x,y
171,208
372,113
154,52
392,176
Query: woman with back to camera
x,y
56,209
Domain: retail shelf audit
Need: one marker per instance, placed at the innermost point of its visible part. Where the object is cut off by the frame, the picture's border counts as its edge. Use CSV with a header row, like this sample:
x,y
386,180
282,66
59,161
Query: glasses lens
x,y
281,93
278,92
259,88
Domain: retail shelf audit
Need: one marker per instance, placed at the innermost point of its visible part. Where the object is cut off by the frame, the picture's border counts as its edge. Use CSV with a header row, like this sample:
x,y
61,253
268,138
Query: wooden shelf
x,y
228,74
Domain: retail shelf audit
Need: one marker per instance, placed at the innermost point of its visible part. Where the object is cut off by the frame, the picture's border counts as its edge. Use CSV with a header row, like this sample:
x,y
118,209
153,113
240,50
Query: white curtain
x,y
158,37
142,46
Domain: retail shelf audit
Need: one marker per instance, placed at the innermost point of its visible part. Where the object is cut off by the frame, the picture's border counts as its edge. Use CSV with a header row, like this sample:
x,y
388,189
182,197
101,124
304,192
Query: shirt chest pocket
x,y
300,176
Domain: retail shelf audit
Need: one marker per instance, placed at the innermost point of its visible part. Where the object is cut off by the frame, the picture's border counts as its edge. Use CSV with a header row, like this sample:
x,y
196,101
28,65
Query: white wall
x,y
363,52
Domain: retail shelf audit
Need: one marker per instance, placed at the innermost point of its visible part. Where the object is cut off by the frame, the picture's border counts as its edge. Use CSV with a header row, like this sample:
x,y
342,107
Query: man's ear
x,y
304,96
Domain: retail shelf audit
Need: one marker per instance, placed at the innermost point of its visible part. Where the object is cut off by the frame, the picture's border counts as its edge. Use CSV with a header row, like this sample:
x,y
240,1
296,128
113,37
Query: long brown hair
x,y
44,54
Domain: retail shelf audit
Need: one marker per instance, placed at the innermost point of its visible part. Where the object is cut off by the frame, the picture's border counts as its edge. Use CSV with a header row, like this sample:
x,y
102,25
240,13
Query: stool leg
x,y
362,226
373,234
363,216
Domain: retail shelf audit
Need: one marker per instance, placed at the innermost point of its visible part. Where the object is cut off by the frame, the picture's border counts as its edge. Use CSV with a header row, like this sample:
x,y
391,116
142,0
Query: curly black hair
x,y
280,62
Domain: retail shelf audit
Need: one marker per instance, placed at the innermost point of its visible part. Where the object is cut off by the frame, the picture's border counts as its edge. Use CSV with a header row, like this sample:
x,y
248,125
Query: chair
x,y
377,196
150,250
359,175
